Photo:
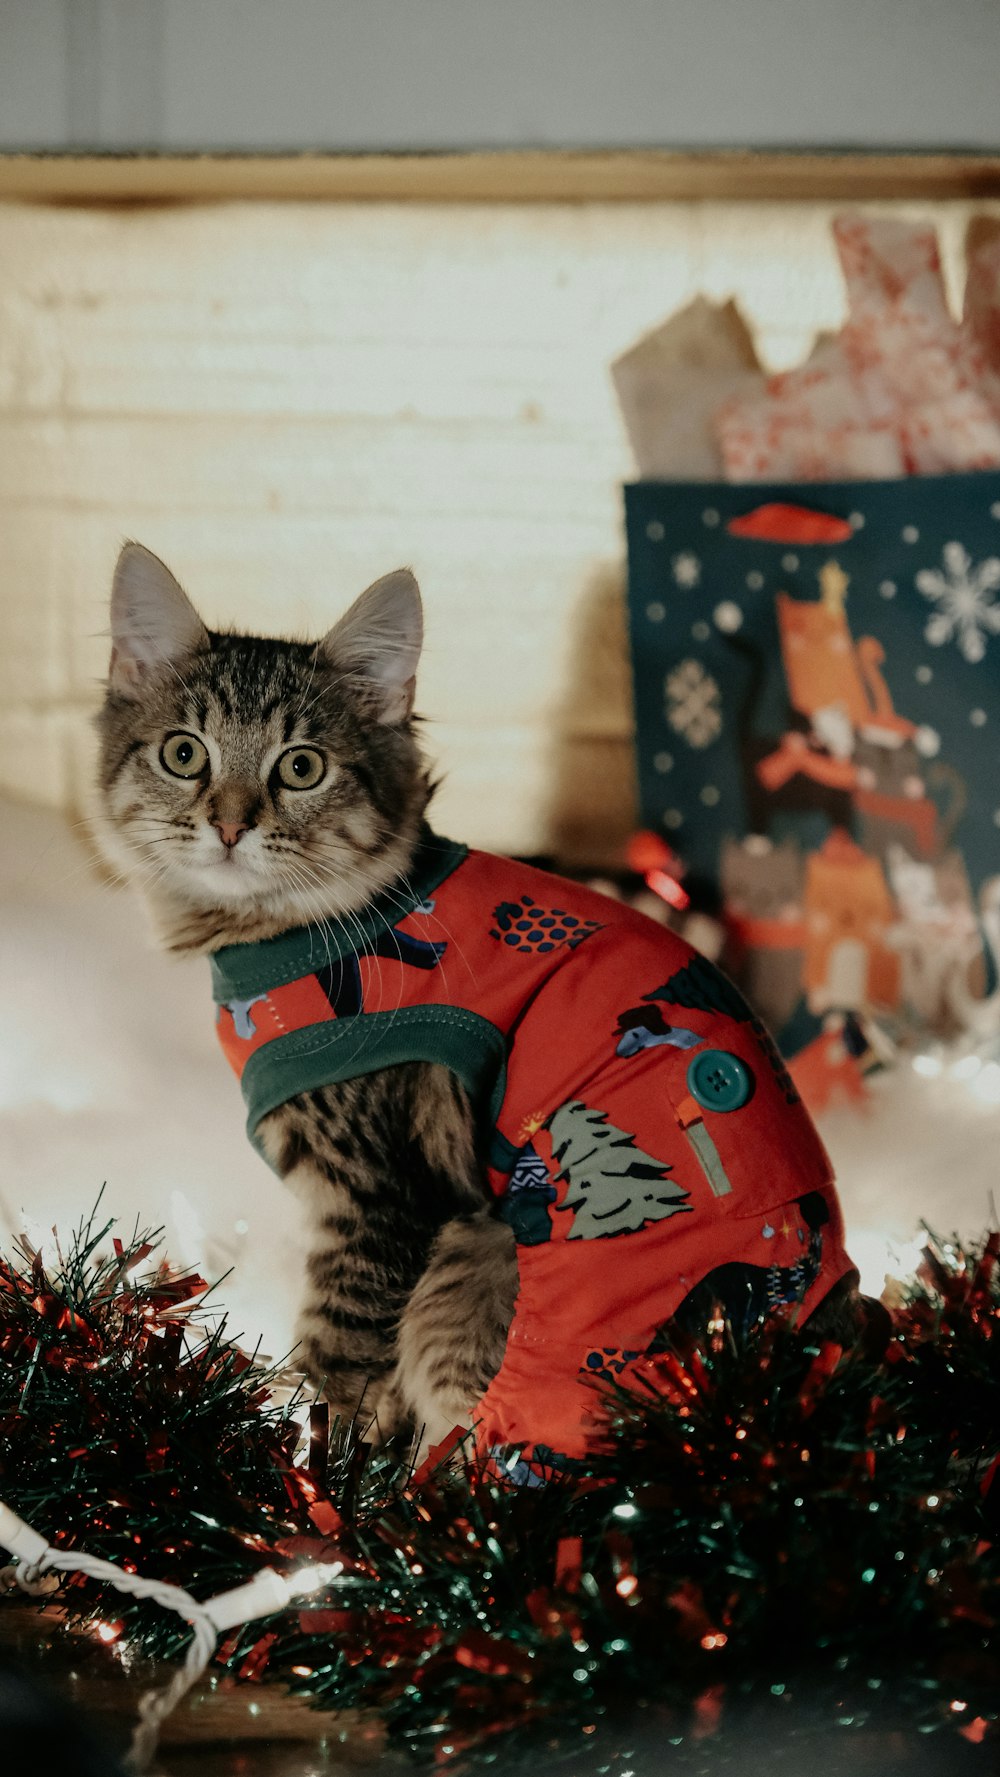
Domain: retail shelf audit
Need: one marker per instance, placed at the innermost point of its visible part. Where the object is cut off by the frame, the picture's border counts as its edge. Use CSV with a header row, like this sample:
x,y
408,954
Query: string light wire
x,y
264,1595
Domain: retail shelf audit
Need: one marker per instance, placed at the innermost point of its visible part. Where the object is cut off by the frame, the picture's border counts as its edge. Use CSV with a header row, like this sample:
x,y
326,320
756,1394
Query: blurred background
x,y
296,292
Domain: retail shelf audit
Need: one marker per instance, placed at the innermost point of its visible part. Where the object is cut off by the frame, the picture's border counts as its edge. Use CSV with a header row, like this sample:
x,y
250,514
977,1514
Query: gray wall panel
x,y
453,74
34,74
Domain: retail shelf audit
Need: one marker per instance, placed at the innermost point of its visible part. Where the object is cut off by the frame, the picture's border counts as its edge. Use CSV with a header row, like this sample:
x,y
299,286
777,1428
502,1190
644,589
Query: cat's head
x,y
249,784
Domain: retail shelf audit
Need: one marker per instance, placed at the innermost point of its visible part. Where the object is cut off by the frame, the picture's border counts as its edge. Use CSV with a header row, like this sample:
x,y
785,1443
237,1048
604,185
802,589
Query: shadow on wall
x,y
592,806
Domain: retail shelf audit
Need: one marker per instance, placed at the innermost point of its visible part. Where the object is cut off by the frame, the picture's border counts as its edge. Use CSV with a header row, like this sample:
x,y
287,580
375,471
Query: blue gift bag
x,y
816,673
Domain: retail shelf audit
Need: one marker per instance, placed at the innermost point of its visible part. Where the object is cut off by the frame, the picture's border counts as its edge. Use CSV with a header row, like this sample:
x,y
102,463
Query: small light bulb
x,y
310,1579
986,1085
927,1066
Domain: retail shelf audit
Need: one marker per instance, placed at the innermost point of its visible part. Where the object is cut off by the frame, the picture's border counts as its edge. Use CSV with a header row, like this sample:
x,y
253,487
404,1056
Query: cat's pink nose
x,y
230,832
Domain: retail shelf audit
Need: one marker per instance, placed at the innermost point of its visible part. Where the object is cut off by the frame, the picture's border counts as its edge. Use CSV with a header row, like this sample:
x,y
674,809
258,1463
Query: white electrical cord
x,y
262,1596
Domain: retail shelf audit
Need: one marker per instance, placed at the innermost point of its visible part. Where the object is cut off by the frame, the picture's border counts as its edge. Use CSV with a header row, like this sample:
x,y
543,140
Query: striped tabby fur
x,y
411,1279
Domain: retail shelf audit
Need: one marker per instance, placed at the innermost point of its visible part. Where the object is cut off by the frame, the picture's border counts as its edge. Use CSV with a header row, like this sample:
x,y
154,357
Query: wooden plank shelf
x,y
501,176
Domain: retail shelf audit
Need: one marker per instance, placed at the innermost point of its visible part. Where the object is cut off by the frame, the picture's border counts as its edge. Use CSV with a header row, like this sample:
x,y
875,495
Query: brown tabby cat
x,y
251,786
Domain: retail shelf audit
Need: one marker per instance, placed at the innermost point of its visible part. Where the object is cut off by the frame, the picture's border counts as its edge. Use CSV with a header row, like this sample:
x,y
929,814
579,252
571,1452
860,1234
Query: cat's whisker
x,y
352,923
299,878
337,907
309,682
405,907
355,923
356,956
333,854
147,876
83,870
324,923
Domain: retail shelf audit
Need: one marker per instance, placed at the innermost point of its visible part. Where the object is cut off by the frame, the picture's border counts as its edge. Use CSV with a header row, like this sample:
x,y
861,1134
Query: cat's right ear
x,y
153,622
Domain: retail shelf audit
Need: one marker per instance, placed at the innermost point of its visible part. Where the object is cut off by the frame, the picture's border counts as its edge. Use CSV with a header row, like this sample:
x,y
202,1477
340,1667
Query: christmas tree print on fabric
x,y
524,926
614,1187
702,987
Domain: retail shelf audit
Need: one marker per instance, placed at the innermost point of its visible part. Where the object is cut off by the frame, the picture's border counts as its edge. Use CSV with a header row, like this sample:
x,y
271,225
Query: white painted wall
x,y
287,400
406,74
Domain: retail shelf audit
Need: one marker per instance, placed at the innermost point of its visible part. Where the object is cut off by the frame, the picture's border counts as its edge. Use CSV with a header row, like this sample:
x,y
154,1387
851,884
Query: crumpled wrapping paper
x,y
671,383
981,310
809,424
902,389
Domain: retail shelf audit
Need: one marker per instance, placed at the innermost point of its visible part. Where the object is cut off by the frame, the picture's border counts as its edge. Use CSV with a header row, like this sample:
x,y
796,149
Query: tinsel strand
x,y
804,1533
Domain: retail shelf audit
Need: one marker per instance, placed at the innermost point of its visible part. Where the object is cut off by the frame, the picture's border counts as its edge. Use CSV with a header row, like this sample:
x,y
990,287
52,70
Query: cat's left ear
x,y
378,644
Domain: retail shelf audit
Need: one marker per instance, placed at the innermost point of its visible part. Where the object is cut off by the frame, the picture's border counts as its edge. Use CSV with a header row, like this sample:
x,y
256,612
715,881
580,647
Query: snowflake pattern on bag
x,y
693,704
967,612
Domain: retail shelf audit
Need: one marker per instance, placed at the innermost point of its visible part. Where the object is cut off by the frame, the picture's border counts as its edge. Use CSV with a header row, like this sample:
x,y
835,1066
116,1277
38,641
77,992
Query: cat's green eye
x,y
184,755
301,768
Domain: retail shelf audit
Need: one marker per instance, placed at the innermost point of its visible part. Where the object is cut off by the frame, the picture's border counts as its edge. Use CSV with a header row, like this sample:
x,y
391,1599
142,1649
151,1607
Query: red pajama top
x,y
643,1128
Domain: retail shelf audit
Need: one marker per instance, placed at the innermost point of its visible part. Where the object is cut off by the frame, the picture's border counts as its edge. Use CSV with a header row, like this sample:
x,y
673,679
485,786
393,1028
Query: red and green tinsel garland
x,y
781,1548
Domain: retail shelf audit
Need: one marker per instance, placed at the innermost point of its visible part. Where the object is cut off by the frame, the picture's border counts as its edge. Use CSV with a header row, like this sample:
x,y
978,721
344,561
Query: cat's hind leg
x,y
453,1330
357,1381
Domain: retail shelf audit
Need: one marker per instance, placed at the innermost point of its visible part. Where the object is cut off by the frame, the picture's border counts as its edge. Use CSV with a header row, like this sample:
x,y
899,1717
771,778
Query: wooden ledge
x,y
537,176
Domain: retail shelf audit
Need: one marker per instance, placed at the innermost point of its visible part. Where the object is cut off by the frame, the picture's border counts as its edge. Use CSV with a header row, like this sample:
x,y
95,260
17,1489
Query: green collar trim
x,y
321,1054
239,970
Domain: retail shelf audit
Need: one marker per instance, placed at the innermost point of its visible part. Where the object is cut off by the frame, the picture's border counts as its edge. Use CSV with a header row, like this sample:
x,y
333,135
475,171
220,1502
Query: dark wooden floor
x,y
249,1730
219,1730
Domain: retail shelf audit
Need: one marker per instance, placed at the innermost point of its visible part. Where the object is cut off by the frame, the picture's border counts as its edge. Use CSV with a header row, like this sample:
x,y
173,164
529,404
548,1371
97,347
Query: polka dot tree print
x,y
523,925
